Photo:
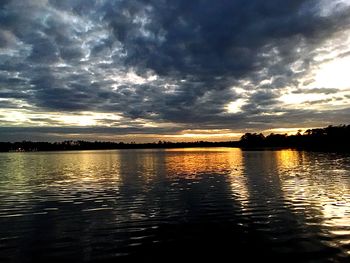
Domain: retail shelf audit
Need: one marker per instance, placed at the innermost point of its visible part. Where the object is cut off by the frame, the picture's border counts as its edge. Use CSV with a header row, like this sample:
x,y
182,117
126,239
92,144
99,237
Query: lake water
x,y
204,203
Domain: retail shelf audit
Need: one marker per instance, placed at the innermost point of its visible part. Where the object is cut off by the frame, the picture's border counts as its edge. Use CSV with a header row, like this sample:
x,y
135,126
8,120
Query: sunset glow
x,y
334,74
119,70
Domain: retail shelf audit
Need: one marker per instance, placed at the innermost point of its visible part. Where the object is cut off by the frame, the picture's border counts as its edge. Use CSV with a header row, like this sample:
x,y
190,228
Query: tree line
x,y
28,146
329,138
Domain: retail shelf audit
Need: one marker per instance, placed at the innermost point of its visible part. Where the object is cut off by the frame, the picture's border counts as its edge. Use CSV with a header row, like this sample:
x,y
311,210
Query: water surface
x,y
178,203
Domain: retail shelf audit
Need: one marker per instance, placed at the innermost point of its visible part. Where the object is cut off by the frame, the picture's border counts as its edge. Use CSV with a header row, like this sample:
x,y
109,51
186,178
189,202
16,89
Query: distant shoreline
x,y
331,138
236,144
27,146
323,150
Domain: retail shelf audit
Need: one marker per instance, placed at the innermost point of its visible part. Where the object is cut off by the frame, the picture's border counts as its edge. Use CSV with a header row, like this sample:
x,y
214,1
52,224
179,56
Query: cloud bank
x,y
164,67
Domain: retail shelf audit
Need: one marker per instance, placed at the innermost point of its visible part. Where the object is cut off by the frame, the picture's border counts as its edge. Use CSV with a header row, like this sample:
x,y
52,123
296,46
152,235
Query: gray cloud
x,y
73,56
316,90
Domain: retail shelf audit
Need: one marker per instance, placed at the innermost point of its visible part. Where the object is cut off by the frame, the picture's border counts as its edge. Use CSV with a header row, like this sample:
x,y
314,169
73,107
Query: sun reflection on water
x,y
320,189
193,162
289,197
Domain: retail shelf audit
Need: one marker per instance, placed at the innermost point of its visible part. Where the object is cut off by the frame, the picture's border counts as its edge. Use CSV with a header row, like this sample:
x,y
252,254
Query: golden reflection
x,y
200,149
320,187
13,171
146,164
288,158
83,170
238,180
192,162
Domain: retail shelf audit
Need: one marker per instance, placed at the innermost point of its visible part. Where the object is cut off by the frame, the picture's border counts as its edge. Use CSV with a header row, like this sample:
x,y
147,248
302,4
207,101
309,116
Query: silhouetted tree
x,y
329,138
252,139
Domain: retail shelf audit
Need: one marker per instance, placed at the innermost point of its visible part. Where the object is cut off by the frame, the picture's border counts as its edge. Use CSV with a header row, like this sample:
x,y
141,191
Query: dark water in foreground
x,y
209,203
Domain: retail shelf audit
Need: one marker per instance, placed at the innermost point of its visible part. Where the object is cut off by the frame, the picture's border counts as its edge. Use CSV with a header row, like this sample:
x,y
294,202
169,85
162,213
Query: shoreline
x,y
243,148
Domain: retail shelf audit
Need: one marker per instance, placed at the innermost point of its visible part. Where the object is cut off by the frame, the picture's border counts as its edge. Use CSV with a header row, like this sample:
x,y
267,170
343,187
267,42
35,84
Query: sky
x,y
178,70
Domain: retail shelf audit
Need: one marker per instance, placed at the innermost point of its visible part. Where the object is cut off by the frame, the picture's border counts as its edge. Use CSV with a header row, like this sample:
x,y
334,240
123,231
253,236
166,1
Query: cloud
x,y
316,90
163,62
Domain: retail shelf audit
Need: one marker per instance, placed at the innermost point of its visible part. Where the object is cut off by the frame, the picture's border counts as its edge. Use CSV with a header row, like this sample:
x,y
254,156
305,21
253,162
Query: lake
x,y
200,203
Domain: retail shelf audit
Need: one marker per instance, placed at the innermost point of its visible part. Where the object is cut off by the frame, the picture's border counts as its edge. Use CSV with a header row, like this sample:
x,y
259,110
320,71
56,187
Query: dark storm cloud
x,y
83,55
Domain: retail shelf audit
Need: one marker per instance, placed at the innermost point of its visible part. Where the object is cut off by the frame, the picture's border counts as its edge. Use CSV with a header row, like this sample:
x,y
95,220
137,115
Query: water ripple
x,y
102,205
